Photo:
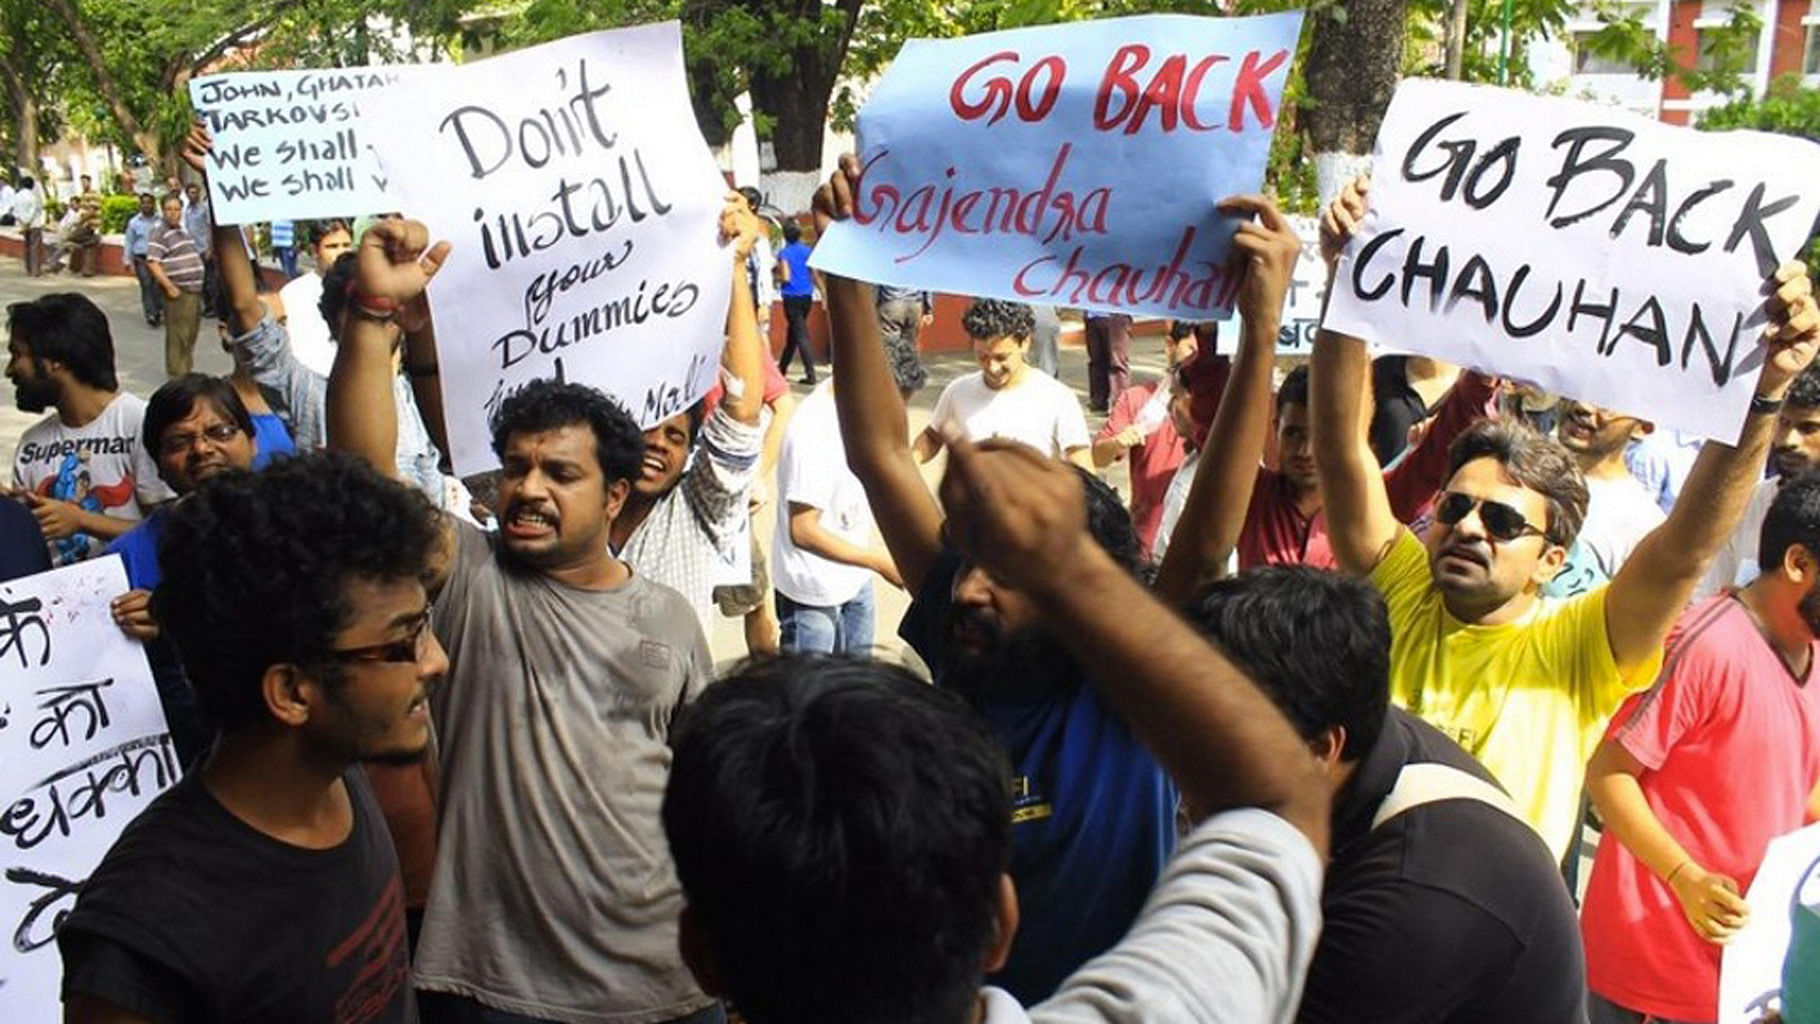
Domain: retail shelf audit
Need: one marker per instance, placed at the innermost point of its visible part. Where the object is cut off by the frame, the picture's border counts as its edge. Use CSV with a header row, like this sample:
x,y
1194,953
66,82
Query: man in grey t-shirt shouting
x,y
554,897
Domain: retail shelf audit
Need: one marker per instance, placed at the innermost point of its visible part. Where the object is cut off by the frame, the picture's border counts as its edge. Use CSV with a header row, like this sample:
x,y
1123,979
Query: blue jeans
x,y
287,259
1600,1010
838,629
445,1008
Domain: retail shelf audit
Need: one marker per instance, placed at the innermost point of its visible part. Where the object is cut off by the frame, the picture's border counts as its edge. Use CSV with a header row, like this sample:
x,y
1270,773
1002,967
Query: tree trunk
x,y
1351,72
129,122
25,119
1456,39
797,98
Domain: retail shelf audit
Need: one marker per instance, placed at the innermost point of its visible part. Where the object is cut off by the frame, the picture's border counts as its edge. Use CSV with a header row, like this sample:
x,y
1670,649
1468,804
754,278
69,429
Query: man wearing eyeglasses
x,y
263,885
1522,682
195,428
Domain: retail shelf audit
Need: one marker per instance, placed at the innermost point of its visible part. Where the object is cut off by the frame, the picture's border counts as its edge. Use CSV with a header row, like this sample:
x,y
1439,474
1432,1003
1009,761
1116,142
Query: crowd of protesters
x,y
1313,726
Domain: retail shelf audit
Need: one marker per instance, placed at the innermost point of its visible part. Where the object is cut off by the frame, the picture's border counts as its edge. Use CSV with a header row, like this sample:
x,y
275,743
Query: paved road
x,y
139,358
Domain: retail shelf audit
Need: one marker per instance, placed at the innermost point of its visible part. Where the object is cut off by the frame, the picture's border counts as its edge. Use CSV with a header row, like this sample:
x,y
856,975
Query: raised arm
x,y
742,359
1653,586
873,425
391,272
1023,518
1360,524
1213,515
238,278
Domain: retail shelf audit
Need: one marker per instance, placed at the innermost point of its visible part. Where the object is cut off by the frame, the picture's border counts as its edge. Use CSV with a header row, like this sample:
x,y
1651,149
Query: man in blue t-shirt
x,y
195,427
798,291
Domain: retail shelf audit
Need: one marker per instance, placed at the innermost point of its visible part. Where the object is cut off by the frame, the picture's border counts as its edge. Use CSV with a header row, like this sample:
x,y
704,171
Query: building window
x,y
1738,46
1587,62
1810,62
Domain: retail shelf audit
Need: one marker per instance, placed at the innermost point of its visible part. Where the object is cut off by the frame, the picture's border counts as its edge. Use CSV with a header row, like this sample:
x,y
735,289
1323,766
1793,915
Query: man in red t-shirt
x,y
1140,427
1273,516
1697,774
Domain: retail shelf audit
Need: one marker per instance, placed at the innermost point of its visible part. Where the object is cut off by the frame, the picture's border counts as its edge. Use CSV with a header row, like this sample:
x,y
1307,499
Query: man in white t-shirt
x,y
1620,511
1796,451
302,298
1008,398
825,560
83,469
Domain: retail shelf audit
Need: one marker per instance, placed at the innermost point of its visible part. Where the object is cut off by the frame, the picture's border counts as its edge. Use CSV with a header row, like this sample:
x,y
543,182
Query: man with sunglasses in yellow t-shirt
x,y
1524,683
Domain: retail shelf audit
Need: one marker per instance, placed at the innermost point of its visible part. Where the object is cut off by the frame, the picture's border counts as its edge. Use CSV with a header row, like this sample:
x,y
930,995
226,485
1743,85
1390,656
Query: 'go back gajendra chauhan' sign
x,y
1075,165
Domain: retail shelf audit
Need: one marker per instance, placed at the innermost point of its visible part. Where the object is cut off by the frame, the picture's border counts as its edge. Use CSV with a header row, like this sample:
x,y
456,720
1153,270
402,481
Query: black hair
x,y
68,328
754,198
335,280
1793,518
176,398
996,318
1533,460
322,229
1317,642
257,565
792,231
1804,391
1294,389
839,828
549,404
1110,523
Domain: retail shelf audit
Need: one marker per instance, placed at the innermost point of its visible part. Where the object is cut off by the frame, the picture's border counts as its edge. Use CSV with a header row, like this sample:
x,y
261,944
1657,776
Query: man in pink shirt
x,y
1698,773
1140,427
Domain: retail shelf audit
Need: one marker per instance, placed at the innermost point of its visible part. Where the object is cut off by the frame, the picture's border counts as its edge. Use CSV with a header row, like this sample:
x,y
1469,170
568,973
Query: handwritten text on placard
x,y
83,749
1606,256
1075,165
583,206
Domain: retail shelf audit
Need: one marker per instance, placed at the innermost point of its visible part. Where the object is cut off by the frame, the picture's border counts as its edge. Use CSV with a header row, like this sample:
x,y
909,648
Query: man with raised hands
x,y
568,668
1523,682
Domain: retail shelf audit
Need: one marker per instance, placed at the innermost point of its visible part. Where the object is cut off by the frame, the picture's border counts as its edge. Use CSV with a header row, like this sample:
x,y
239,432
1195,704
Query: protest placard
x,y
583,207
290,144
83,748
1750,977
1603,255
1073,165
1307,293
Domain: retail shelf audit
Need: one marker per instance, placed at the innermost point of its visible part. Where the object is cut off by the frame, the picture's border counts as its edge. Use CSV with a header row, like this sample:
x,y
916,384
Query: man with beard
x,y
1697,775
263,886
1524,682
197,428
569,668
1795,450
1093,815
1620,512
60,354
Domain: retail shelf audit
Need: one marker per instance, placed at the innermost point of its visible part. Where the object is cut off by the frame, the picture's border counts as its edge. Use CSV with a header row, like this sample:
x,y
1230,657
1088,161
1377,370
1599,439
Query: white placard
x,y
584,210
1750,976
290,145
1601,254
83,749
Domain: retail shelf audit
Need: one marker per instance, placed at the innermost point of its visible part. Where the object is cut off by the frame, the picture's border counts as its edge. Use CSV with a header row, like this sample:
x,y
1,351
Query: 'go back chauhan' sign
x,y
1607,257
83,749
583,208
289,144
1074,165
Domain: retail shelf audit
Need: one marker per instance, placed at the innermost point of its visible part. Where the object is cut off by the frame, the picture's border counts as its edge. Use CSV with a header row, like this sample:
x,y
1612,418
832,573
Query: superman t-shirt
x,y
100,466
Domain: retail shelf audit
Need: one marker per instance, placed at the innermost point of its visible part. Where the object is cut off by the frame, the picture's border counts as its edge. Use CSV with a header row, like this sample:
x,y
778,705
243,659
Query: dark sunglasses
x,y
1501,521
405,649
